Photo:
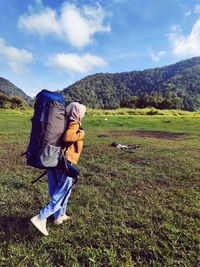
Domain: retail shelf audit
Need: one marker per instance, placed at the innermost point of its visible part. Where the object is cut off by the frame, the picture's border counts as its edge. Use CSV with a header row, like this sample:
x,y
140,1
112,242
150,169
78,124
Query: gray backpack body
x,y
48,125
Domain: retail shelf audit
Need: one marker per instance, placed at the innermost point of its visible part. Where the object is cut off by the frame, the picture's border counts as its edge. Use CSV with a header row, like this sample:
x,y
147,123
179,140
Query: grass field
x,y
136,207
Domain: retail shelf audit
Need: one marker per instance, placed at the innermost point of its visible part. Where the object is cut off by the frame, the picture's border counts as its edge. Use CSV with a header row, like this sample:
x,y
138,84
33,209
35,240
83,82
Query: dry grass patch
x,y
150,134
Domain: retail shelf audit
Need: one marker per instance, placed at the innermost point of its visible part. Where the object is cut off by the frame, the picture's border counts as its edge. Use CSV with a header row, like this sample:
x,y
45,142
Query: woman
x,y
58,183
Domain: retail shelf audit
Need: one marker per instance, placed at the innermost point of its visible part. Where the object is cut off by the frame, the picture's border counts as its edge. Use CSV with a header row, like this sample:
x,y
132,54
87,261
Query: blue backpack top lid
x,y
45,96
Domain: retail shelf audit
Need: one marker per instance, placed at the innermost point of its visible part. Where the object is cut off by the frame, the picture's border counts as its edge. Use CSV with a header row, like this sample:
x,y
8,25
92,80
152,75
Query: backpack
x,y
48,125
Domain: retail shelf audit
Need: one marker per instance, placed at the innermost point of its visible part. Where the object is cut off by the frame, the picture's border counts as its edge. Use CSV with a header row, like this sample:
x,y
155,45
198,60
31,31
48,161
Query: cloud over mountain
x,y
76,63
15,58
156,56
186,45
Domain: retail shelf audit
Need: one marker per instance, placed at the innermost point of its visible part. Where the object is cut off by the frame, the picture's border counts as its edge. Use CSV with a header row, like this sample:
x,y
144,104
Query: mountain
x,y
179,82
9,89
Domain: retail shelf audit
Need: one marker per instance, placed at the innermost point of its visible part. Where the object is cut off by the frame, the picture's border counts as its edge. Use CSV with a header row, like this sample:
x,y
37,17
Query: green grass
x,y
130,208
144,111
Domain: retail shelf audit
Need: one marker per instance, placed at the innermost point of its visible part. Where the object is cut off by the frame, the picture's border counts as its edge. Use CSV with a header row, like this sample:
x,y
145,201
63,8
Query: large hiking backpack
x,y
48,125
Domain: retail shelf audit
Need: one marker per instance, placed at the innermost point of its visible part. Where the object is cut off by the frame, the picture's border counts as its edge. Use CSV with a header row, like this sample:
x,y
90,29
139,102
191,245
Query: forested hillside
x,y
173,86
176,86
12,97
9,89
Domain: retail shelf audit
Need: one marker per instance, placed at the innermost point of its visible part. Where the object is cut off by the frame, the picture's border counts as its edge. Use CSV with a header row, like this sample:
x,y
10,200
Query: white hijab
x,y
75,112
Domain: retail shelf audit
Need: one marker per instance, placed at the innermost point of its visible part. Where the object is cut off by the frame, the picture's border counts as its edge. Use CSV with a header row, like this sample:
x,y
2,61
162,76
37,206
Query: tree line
x,y
160,102
12,102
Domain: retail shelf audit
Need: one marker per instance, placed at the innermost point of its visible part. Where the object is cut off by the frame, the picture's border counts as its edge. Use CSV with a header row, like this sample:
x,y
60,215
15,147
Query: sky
x,y
54,43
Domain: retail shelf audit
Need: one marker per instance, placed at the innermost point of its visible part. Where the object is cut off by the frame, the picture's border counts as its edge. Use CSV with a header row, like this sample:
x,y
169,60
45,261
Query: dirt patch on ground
x,y
152,134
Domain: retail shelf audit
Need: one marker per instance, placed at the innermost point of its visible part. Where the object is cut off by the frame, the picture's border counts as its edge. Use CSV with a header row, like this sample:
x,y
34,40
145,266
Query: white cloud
x,y
43,23
186,46
197,9
156,56
74,25
16,58
76,63
188,13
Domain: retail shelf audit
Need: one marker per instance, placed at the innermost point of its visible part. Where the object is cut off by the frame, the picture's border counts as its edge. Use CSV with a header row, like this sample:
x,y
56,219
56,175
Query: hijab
x,y
75,112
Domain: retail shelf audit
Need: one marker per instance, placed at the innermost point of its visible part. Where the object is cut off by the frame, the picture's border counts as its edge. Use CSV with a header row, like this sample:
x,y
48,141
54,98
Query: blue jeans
x,y
58,184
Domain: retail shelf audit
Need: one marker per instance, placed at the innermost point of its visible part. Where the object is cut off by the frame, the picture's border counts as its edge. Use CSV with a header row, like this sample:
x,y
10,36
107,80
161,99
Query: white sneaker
x,y
62,218
40,224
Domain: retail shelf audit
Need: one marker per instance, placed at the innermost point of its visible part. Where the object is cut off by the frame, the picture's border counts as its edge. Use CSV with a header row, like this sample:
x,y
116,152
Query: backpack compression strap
x,y
39,177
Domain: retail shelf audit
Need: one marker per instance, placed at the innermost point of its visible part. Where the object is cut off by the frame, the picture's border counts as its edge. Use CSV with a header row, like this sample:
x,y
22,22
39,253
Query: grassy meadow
x,y
138,207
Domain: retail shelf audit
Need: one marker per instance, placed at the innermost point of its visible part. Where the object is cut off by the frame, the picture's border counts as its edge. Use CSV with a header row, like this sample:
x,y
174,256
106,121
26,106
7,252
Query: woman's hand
x,y
82,132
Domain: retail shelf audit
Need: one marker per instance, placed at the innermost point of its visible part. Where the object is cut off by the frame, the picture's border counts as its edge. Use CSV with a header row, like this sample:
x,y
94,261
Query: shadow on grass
x,y
17,229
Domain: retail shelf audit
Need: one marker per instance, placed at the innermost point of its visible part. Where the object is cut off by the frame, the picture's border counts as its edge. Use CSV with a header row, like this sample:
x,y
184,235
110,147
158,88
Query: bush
x,y
153,112
8,102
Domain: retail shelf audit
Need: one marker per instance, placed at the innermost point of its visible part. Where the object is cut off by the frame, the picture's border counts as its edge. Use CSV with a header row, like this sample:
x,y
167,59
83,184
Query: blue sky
x,y
51,44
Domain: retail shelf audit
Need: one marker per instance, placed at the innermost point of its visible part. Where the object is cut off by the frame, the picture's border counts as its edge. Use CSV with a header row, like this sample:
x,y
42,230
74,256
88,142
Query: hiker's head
x,y
75,112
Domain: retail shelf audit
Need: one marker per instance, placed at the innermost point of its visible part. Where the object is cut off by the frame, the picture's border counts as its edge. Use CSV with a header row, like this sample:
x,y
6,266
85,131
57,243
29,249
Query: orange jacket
x,y
73,137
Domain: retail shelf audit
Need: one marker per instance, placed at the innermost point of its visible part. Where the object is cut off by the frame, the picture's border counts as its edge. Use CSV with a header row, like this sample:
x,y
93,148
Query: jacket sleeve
x,y
72,134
